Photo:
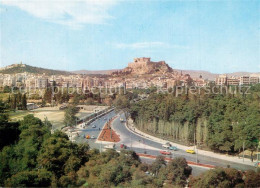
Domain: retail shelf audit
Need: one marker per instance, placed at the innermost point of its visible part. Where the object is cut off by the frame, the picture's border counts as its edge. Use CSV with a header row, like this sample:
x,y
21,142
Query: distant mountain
x,y
21,68
213,76
94,71
198,73
134,67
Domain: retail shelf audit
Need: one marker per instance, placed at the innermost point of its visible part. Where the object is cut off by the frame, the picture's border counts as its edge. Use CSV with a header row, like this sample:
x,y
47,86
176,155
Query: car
x,y
93,126
190,151
92,136
257,164
174,148
164,152
123,146
112,146
165,146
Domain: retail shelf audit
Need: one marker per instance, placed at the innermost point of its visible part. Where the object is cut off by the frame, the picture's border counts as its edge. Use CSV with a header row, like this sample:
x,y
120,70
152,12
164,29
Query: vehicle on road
x,y
122,120
93,137
82,125
174,148
166,145
190,151
257,164
111,146
123,146
87,137
93,126
164,152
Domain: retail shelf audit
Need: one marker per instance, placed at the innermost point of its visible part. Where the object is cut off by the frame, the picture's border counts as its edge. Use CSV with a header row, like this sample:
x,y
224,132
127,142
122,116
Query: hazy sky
x,y
217,36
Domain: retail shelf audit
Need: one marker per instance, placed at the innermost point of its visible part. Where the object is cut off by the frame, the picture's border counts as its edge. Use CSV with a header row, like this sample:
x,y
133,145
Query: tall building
x,y
221,80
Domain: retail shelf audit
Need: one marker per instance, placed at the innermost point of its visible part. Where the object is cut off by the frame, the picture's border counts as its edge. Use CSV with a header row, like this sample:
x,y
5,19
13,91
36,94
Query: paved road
x,y
141,145
124,132
99,123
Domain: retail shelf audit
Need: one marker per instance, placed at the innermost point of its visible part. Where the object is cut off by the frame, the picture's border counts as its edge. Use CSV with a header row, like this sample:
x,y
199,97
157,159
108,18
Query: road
x,y
141,145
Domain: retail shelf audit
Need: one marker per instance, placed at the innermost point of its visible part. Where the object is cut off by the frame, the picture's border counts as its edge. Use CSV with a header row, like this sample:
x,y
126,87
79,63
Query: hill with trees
x,y
21,68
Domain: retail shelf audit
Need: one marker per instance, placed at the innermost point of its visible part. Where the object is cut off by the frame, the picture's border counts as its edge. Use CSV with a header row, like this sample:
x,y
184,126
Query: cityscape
x,y
129,94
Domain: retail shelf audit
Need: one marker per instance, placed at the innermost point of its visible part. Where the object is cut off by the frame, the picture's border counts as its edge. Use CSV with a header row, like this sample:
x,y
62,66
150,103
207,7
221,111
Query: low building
x,y
248,80
232,81
31,106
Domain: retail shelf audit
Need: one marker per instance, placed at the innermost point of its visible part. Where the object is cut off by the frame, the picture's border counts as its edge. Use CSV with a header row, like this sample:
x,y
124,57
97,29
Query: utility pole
x,y
196,154
131,139
194,140
243,151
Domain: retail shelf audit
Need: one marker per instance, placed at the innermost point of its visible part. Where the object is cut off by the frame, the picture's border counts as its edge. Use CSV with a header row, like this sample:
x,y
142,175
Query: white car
x,y
92,136
112,146
83,125
165,146
93,126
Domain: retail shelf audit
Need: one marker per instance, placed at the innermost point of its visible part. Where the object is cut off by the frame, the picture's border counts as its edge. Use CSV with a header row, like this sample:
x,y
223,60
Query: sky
x,y
220,36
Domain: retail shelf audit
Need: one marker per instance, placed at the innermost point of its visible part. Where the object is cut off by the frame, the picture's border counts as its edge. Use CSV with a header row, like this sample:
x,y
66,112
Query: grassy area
x,y
4,96
18,115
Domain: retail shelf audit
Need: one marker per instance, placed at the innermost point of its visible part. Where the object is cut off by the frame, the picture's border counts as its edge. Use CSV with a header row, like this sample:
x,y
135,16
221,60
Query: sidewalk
x,y
134,130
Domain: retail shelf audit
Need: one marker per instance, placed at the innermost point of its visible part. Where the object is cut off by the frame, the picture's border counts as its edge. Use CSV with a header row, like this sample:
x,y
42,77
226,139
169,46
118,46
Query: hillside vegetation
x,y
34,70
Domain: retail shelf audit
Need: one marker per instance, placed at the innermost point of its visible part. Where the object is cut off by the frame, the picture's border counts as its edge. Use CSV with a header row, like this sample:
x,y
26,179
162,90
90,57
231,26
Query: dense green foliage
x,y
35,70
220,122
17,101
228,177
41,159
110,169
70,116
9,131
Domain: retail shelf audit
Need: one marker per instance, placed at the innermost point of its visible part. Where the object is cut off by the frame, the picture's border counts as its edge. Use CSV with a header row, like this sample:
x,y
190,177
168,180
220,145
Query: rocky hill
x,y
21,68
144,65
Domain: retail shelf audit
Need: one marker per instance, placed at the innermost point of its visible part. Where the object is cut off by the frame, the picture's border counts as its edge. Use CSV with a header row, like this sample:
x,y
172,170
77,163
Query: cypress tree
x,y
24,102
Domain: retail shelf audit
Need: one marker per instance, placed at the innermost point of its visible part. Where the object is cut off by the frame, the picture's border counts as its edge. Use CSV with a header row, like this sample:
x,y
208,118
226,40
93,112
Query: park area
x,y
53,114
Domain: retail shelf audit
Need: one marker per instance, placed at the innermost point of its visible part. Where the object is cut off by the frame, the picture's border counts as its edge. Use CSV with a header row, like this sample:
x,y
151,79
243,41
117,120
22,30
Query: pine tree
x,y
24,102
14,102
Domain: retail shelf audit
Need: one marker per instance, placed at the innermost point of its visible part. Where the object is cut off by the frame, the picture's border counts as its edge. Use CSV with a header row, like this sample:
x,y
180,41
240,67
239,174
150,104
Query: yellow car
x,y
190,151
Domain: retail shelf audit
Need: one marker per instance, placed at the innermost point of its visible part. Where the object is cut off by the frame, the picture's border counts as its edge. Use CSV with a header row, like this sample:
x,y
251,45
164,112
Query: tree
x,y
14,103
122,103
70,116
24,102
219,177
47,97
158,164
178,171
34,178
7,89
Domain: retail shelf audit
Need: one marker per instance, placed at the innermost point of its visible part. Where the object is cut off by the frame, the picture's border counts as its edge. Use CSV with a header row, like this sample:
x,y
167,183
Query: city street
x,y
143,145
